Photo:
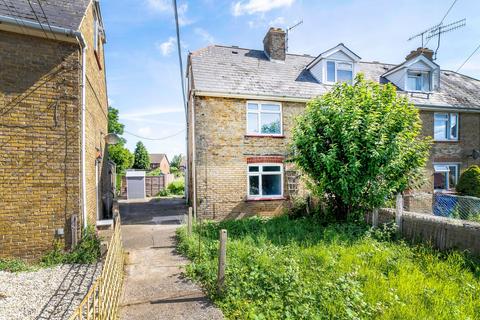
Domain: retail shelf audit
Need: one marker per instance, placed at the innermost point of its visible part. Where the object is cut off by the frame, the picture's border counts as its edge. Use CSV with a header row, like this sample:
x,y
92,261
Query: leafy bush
x,y
15,265
469,182
177,187
358,144
299,269
163,193
87,251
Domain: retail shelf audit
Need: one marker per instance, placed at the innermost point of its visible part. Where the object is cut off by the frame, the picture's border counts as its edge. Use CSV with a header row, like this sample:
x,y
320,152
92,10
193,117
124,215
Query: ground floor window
x,y
265,181
445,176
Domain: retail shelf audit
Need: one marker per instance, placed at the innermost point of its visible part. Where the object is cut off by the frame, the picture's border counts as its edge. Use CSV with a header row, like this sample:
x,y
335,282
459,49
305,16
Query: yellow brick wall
x,y
96,118
39,142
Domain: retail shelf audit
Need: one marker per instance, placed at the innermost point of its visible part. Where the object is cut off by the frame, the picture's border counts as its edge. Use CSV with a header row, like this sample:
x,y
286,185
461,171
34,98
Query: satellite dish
x,y
475,154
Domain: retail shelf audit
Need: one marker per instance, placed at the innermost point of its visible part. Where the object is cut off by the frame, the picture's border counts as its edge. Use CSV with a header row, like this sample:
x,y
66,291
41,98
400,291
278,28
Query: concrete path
x,y
154,287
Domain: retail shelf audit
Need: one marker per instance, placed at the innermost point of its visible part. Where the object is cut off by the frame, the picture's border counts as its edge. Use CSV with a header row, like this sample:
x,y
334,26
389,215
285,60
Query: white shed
x,y
135,184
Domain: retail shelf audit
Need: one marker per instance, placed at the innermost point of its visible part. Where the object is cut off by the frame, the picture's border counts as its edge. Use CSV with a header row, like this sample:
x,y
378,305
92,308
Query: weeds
x,y
299,269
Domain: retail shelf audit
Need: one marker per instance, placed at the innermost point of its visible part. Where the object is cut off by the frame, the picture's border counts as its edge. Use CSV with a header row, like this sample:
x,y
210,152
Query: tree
x,y
358,145
469,182
176,161
122,157
142,159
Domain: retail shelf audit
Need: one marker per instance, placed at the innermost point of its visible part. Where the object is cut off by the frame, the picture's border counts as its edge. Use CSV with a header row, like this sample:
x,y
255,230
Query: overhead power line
x,y
154,139
46,19
470,56
36,17
179,48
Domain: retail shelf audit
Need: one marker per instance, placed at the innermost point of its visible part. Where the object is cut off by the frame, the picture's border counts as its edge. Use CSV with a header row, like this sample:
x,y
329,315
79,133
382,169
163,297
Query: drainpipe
x,y
83,45
194,171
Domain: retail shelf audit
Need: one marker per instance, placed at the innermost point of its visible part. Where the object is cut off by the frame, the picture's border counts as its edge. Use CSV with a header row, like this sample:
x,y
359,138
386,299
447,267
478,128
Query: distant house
x,y
53,123
183,164
160,160
243,103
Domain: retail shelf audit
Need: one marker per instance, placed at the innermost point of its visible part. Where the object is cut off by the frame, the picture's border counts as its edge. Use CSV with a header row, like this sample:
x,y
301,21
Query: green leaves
x,y
141,156
358,145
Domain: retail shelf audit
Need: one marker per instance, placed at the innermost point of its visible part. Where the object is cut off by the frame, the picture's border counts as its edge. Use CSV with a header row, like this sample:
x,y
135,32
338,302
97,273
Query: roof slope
x,y
60,13
232,70
157,157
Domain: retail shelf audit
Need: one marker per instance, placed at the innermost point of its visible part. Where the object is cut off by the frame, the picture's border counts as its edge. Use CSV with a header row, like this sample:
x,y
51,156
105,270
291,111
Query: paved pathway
x,y
154,287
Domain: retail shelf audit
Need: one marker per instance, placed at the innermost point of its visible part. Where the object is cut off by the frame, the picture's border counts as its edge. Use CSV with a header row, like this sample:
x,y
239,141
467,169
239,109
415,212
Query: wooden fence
x,y
153,184
101,301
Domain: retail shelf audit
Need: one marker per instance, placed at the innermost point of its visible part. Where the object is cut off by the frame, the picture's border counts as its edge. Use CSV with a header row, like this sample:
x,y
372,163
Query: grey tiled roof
x,y
157,157
60,13
233,70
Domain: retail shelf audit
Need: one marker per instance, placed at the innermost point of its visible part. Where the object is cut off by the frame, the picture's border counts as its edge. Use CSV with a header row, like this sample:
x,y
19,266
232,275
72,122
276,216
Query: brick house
x,y
242,104
53,106
160,160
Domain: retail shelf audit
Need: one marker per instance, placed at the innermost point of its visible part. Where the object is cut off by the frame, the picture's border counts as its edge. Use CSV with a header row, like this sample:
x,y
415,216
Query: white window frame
x,y
447,182
422,72
259,113
96,31
336,69
260,173
448,126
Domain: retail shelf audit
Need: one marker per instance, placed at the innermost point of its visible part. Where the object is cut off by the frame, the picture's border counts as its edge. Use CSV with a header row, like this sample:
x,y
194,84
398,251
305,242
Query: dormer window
x,y
339,72
418,81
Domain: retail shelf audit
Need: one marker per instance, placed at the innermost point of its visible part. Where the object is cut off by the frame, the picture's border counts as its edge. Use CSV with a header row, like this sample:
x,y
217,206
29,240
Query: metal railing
x,y
102,299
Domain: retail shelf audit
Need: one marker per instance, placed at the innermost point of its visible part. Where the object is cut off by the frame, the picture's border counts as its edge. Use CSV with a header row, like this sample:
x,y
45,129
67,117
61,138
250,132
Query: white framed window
x,y
264,118
445,176
418,81
339,71
265,180
445,126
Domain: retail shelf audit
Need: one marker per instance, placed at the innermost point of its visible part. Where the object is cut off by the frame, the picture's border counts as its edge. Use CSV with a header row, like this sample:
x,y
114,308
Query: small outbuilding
x,y
135,184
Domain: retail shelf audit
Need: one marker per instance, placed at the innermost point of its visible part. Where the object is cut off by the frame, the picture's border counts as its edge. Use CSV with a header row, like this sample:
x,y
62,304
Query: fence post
x,y
222,260
399,212
189,221
375,218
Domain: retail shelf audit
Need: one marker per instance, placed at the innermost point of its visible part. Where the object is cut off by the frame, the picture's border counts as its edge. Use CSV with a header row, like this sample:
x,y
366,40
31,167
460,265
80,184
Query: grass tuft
x,y
299,269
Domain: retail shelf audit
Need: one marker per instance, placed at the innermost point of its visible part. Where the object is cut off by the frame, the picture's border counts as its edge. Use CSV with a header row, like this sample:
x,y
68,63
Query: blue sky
x,y
142,63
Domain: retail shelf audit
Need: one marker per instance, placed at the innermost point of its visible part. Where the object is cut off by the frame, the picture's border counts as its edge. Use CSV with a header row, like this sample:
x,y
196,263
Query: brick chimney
x,y
274,44
425,51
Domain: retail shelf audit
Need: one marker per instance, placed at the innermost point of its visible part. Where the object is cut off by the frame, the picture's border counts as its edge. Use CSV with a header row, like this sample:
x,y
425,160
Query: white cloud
x,y
148,112
204,35
166,48
159,5
258,6
277,22
145,131
183,20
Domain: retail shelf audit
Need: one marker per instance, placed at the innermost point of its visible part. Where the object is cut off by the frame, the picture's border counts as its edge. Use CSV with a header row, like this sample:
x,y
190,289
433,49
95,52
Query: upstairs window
x,y
445,176
418,81
339,72
265,181
445,126
264,118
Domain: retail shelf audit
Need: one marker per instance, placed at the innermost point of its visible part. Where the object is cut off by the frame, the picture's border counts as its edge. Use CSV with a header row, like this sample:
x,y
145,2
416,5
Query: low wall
x,y
442,233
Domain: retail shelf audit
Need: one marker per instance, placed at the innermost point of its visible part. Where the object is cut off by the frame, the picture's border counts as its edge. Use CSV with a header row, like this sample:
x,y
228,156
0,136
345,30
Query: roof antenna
x,y
422,34
288,30
444,29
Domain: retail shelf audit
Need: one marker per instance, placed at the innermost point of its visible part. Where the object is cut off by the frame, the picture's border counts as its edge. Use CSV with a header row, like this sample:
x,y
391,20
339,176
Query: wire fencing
x,y
444,205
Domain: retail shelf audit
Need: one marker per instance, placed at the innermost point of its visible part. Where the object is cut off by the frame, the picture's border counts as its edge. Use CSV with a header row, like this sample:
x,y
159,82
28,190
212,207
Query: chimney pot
x,y
415,53
274,44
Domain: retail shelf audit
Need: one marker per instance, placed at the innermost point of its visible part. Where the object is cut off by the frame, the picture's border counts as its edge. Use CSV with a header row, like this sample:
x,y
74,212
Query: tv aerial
x,y
437,31
287,32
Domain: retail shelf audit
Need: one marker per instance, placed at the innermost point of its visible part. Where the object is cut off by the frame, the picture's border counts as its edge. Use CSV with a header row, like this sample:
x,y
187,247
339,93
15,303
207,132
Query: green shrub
x,y
299,269
87,251
177,187
358,144
15,265
163,193
469,182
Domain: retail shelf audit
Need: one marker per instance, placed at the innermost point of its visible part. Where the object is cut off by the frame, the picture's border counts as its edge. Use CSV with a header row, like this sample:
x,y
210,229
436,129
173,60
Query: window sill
x,y
266,199
447,141
279,136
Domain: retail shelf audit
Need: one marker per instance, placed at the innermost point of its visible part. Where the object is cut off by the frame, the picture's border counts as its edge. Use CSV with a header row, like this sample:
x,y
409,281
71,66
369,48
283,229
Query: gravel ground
x,y
51,293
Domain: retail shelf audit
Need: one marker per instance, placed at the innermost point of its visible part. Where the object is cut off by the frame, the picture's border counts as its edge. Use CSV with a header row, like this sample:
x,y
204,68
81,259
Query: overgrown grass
x,y
87,251
299,269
